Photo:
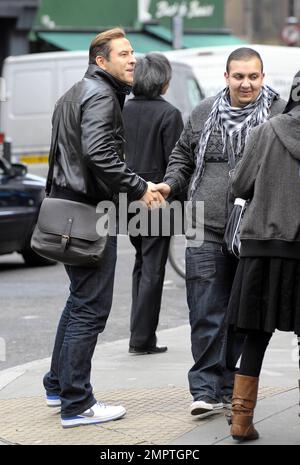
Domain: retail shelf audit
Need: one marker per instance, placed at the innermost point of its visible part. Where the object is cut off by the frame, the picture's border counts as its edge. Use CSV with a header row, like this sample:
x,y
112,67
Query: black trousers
x,y
147,285
255,346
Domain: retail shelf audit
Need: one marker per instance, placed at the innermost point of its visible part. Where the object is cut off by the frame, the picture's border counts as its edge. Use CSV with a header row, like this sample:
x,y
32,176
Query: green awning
x,y
71,41
156,38
192,40
210,40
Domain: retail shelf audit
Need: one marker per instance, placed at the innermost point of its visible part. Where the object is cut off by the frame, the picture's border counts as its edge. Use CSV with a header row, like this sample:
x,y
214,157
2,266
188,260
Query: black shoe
x,y
149,350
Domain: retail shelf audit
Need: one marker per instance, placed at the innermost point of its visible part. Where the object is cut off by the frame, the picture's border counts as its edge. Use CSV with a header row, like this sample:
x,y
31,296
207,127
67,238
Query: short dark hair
x,y
152,73
243,54
100,45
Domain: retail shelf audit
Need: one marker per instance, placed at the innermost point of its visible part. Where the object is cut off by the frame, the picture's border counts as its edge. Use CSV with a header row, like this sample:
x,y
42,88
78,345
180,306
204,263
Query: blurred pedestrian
x,y
152,128
266,290
89,167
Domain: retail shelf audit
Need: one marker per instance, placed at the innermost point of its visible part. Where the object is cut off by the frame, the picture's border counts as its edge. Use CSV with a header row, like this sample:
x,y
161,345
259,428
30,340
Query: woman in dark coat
x,y
266,290
152,128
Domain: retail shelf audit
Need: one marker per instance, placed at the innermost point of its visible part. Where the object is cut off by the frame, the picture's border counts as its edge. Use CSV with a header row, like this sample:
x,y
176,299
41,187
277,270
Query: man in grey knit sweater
x,y
211,144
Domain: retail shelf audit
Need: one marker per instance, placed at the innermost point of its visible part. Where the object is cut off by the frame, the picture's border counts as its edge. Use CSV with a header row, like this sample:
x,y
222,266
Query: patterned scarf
x,y
235,125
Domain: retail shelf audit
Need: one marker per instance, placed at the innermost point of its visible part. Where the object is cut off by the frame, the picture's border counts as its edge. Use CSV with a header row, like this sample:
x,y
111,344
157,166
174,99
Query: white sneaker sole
x,y
53,403
202,408
79,421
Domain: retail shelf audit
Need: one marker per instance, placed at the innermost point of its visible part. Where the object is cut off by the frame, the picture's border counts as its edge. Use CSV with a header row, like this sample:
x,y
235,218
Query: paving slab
x,y
154,390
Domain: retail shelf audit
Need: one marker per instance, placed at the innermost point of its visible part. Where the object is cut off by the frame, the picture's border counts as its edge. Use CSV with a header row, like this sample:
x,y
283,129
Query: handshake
x,y
156,194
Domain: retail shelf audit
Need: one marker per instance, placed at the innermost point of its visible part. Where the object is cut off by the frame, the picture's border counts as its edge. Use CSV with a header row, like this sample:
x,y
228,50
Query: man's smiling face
x,y
245,80
121,62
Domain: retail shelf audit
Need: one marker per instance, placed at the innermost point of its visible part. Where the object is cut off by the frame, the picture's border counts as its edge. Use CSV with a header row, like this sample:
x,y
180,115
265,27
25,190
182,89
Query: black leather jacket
x,y
89,159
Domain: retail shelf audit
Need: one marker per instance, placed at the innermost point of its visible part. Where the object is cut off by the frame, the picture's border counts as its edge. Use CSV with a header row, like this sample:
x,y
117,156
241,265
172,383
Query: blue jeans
x,y
209,278
84,317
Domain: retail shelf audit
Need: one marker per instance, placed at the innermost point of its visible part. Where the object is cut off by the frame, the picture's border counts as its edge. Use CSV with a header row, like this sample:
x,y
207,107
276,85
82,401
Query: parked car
x,y
21,195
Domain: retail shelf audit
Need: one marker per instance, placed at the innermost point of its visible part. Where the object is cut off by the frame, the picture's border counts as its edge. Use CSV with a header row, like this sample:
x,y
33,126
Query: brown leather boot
x,y
243,403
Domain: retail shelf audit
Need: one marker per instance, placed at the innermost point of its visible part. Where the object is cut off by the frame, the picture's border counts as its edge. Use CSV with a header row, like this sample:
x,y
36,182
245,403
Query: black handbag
x,y
66,230
231,241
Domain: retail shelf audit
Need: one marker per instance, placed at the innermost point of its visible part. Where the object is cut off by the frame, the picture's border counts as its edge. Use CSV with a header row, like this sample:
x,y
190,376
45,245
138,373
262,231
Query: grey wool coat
x,y
269,175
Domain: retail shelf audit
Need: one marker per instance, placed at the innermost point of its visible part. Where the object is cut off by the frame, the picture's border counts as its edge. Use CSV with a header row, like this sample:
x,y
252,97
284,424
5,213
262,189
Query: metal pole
x,y
177,32
258,14
249,10
291,8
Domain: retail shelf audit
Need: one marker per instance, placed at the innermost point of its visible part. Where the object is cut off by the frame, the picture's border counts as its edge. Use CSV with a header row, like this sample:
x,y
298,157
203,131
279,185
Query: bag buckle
x,y
65,239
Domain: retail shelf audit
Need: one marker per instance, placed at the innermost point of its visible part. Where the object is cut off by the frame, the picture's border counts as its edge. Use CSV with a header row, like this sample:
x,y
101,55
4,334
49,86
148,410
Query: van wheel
x,y
33,259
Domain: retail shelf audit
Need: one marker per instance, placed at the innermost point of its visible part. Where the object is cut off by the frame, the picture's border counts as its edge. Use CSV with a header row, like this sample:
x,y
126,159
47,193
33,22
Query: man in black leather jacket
x,y
89,167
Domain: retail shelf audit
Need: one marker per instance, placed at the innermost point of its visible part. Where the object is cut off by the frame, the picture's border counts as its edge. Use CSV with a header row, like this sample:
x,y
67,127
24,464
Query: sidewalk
x,y
154,390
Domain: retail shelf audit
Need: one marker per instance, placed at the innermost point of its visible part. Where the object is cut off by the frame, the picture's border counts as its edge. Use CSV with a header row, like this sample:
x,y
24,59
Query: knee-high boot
x,y
243,404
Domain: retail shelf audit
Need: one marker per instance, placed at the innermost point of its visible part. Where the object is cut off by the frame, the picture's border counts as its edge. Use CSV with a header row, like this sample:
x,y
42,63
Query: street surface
x,y
32,300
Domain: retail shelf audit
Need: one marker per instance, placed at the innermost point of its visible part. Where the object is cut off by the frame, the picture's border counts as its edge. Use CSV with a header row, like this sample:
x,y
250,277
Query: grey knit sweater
x,y
213,188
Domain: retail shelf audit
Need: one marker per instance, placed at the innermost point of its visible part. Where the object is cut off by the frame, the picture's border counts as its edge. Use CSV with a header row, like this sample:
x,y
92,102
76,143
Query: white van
x,y
34,83
280,65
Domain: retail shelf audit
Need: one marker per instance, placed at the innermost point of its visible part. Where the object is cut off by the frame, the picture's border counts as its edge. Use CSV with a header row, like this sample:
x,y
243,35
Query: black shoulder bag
x,y
231,241
66,231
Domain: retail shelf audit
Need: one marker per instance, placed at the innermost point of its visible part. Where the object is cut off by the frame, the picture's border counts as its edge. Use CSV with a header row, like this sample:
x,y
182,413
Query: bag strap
x,y
53,151
240,202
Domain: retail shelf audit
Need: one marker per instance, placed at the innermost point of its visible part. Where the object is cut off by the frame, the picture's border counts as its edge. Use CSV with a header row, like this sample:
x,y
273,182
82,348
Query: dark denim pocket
x,y
200,265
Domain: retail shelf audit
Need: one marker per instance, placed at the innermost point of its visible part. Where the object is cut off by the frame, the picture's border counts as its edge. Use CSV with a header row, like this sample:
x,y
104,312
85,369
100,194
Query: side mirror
x,y
18,169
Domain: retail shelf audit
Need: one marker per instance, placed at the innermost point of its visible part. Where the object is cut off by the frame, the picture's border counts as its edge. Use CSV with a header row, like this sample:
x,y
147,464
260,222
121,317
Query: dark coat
x,y
152,128
89,159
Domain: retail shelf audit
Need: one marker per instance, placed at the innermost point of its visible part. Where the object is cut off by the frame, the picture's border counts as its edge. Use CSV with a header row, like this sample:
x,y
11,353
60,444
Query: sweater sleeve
x,y
244,175
181,163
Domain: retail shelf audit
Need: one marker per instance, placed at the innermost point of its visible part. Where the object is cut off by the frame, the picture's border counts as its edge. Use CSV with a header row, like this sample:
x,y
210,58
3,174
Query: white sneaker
x,y
200,407
53,400
98,413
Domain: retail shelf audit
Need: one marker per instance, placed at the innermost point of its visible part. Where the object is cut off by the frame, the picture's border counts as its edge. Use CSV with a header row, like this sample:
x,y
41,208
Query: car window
x,y
1,168
184,91
4,166
194,93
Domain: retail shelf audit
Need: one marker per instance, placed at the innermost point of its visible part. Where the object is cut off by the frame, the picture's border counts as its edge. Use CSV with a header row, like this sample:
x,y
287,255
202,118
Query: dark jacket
x,y
269,174
213,188
152,128
89,159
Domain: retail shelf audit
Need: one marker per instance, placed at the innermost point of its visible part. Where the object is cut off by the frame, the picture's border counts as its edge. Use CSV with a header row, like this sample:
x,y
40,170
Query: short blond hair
x,y
100,45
